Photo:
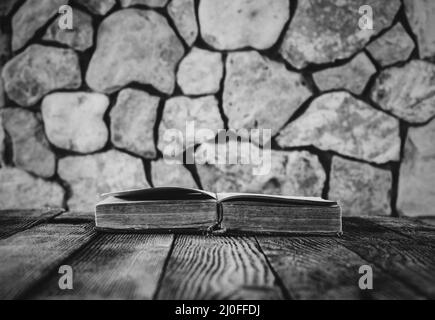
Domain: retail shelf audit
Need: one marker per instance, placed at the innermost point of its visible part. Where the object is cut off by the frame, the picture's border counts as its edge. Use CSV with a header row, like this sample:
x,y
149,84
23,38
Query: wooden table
x,y
34,244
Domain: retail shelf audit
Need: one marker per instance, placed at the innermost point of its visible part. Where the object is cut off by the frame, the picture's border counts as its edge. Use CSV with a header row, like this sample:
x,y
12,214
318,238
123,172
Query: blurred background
x,y
347,88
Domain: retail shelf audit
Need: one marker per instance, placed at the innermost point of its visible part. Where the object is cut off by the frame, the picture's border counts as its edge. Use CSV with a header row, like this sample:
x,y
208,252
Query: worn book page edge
x,y
223,197
142,193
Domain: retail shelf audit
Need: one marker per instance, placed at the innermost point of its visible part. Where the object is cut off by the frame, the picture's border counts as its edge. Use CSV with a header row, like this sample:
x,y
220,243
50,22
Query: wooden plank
x,y
124,266
202,267
30,255
321,268
427,220
411,228
14,221
74,216
397,255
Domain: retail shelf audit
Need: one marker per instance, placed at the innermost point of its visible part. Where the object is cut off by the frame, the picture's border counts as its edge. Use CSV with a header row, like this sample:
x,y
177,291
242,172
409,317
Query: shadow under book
x,y
172,209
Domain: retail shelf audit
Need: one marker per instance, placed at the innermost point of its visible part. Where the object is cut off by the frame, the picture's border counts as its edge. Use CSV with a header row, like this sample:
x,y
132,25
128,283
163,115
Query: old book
x,y
175,209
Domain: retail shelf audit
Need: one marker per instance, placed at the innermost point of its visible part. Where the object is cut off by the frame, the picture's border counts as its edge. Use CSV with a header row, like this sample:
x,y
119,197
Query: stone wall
x,y
350,110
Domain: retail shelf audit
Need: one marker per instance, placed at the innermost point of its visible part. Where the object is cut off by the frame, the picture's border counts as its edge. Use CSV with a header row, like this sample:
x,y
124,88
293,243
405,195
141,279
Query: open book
x,y
175,209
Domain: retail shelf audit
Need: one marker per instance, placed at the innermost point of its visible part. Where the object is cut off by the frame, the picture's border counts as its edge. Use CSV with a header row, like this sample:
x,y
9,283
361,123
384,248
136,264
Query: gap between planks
x,y
402,257
361,244
15,221
112,266
219,267
321,268
30,255
412,228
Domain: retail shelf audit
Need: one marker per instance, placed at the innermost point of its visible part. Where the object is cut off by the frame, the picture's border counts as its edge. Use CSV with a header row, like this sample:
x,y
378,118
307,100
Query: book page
x,y
162,193
225,197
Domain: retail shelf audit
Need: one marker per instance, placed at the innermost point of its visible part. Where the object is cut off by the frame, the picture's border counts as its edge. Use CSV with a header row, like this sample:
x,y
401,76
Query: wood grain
x,y
126,266
321,268
401,257
414,229
14,221
427,220
74,216
144,266
30,255
203,267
